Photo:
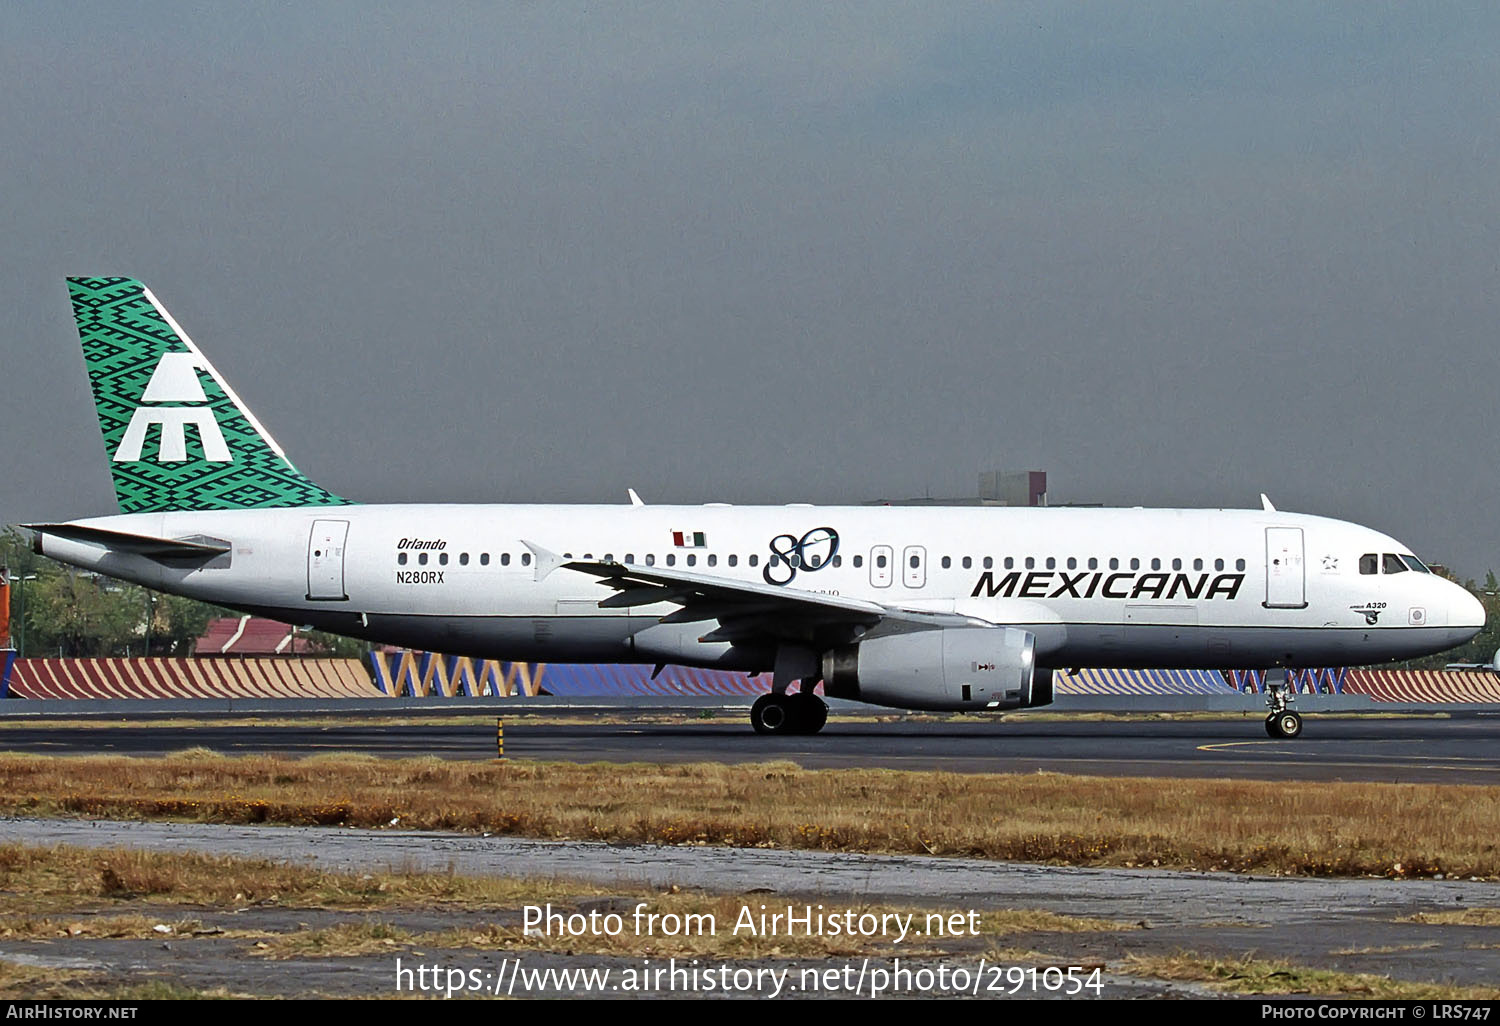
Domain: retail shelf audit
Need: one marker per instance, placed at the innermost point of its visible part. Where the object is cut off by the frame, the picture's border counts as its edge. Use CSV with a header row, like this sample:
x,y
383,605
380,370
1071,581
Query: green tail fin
x,y
177,436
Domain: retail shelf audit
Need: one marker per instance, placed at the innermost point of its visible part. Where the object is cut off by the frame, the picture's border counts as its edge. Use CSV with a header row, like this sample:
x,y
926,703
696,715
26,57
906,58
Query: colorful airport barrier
x,y
424,674
1303,682
190,678
1140,682
1424,685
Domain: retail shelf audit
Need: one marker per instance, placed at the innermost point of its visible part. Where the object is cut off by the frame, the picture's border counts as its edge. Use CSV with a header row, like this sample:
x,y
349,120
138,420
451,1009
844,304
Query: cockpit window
x,y
1369,563
1391,563
1415,563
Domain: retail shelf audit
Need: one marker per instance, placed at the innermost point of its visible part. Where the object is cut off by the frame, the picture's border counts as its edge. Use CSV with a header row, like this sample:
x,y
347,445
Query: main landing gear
x,y
1283,722
791,712
798,712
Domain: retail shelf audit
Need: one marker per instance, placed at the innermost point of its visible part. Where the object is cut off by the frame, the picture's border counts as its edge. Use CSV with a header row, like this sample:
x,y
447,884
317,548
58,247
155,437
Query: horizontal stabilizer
x,y
139,544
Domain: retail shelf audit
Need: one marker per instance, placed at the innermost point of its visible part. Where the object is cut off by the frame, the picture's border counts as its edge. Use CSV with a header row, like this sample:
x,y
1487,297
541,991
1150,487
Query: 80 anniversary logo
x,y
810,553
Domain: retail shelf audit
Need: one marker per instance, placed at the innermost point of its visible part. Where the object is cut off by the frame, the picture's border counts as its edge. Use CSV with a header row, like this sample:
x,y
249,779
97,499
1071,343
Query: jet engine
x,y
956,668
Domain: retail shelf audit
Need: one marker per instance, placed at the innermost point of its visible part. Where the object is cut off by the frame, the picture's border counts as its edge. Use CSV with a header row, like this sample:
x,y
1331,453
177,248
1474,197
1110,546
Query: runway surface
x,y
1431,750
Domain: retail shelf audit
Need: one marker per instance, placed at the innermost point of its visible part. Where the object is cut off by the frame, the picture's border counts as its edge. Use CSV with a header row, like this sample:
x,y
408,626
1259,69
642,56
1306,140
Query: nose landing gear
x,y
1283,722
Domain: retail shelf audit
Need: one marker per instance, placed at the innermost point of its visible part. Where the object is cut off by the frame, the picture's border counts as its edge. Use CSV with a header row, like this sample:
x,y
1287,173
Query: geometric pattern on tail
x,y
187,445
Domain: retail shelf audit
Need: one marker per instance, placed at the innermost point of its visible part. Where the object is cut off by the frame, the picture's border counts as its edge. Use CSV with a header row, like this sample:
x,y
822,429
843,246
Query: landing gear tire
x,y
1285,724
796,713
773,714
809,713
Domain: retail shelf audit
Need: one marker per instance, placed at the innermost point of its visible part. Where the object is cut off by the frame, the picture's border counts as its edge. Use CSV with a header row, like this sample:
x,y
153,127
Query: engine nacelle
x,y
957,668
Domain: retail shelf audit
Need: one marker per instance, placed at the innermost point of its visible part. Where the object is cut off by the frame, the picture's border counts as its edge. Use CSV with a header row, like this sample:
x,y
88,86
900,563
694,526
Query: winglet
x,y
1265,503
635,500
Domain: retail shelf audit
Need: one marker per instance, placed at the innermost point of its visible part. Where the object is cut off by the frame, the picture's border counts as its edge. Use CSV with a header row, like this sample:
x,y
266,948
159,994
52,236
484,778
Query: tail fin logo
x,y
175,380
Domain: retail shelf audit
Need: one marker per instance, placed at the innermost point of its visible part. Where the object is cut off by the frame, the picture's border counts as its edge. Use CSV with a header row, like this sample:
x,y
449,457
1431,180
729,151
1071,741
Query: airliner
x,y
956,608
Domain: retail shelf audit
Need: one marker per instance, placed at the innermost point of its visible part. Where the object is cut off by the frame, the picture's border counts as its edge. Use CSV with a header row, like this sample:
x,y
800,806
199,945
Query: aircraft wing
x,y
749,610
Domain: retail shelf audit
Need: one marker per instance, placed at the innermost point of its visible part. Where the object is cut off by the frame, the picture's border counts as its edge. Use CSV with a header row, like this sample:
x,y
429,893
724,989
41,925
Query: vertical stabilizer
x,y
177,436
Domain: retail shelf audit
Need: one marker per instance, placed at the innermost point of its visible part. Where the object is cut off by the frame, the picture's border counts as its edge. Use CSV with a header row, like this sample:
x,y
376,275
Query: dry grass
x,y
1458,917
120,894
129,926
1395,830
30,983
1251,975
38,884
63,893
345,940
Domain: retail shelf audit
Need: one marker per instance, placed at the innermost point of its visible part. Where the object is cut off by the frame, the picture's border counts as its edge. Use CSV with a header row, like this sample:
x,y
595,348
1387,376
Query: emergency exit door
x,y
914,566
325,560
1285,572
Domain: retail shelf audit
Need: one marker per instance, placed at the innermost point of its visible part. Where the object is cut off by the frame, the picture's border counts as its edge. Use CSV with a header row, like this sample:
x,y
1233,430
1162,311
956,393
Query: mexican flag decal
x,y
690,539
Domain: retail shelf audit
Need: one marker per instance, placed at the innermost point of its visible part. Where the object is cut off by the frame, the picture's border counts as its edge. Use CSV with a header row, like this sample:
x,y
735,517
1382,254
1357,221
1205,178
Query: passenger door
x,y
881,557
1285,577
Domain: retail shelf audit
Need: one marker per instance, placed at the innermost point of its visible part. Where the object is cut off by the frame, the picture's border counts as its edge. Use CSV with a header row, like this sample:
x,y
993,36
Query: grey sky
x,y
1174,254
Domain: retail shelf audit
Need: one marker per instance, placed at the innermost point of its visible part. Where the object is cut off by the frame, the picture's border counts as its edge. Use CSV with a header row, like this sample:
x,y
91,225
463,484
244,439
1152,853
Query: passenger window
x,y
505,559
1239,564
989,562
754,559
814,561
692,560
1219,564
859,561
1051,563
1176,564
525,559
1135,564
401,559
1197,564
1072,563
838,561
630,557
1392,563
947,562
713,560
968,562
1093,563
671,559
1156,564
1031,562
1114,562
484,559
734,560
463,559
422,558
650,559
442,559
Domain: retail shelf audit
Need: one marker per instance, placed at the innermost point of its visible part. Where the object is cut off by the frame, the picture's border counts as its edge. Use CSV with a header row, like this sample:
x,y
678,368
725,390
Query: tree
x,y
74,614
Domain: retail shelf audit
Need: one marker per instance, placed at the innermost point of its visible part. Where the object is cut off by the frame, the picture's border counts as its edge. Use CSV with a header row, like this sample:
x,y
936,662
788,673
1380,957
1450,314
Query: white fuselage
x,y
1097,587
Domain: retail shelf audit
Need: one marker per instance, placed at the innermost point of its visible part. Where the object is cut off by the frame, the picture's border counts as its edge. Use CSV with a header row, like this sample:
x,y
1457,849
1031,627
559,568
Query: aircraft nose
x,y
1465,610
